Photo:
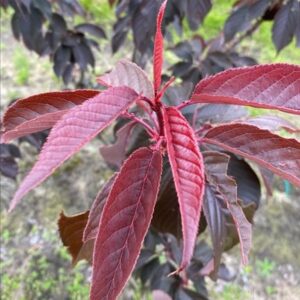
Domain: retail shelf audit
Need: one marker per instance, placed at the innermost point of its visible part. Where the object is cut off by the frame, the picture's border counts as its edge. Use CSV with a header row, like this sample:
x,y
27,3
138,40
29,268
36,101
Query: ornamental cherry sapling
x,y
121,214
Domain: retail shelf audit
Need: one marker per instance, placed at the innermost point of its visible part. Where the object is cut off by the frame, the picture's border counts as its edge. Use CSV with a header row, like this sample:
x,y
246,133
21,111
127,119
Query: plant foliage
x,y
179,166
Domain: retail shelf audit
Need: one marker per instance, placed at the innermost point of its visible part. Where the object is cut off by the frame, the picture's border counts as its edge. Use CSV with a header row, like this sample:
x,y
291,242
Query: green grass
x,y
100,10
231,291
21,66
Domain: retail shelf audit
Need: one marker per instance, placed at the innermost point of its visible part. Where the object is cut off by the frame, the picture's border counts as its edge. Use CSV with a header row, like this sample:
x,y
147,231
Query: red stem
x,y
153,134
184,104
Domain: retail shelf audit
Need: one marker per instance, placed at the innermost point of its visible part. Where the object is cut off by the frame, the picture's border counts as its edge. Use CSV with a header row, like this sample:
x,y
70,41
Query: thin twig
x,y
153,134
184,104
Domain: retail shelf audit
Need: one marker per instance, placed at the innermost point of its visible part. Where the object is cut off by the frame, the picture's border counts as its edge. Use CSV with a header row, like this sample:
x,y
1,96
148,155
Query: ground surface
x,y
32,259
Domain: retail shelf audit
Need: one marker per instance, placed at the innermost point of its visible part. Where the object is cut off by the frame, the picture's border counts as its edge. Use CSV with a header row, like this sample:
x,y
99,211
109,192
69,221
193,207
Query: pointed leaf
x,y
129,74
91,229
188,173
197,11
213,210
115,154
226,189
40,112
71,232
285,24
73,131
158,49
275,86
280,155
124,223
92,29
272,123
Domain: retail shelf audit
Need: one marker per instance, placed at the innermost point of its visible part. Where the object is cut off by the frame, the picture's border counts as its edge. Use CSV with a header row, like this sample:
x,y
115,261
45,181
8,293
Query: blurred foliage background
x,y
33,263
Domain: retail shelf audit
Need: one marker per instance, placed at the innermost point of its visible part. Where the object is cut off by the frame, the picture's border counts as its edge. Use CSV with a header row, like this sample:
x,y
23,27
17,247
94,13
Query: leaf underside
x,y
224,191
73,131
187,168
280,155
91,228
272,123
115,154
40,112
275,86
124,222
129,74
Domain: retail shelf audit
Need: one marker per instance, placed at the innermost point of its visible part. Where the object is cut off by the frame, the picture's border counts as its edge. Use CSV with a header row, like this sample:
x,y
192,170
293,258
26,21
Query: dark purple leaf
x,y
242,17
226,191
62,57
197,11
92,29
285,24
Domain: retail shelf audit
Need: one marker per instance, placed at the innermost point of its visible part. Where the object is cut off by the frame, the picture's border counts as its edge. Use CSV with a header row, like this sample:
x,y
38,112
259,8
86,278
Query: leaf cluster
x,y
182,162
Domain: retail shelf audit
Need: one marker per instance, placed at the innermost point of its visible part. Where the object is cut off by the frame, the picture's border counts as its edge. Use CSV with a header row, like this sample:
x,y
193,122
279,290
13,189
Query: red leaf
x,y
91,229
158,49
115,154
280,155
223,188
272,123
188,173
71,231
73,131
124,223
275,86
40,112
129,74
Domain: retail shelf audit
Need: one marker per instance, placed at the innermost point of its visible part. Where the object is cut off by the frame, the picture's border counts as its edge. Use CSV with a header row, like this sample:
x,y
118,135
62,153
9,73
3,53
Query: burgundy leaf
x,y
115,154
225,189
129,74
40,112
71,231
213,210
188,173
280,155
73,131
91,229
272,123
124,223
275,86
158,49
